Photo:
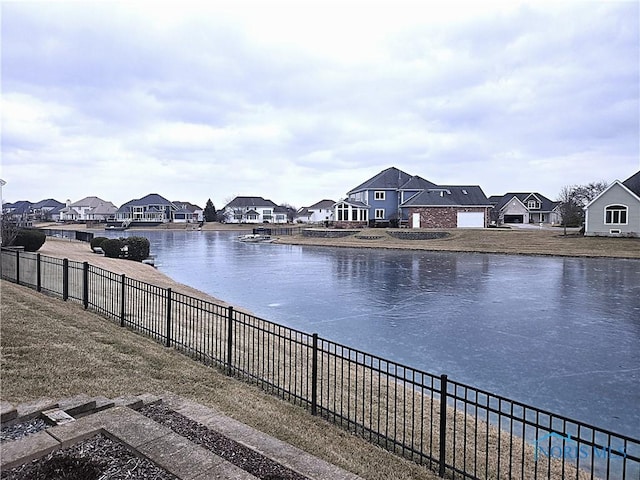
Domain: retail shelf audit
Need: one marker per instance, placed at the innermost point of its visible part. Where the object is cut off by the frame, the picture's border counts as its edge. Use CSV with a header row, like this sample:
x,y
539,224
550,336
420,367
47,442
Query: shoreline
x,y
513,241
489,241
80,252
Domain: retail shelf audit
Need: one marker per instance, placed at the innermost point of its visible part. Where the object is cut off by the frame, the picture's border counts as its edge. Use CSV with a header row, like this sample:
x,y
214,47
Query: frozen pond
x,y
561,334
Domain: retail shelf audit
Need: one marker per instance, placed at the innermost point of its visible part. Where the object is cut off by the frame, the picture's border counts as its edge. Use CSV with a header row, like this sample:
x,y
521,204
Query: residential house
x,y
254,210
448,206
526,207
319,212
616,211
151,209
393,197
46,210
18,212
89,208
377,199
188,212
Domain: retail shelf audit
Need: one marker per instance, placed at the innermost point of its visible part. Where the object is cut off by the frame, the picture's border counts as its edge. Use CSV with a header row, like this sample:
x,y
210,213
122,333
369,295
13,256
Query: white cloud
x,y
298,101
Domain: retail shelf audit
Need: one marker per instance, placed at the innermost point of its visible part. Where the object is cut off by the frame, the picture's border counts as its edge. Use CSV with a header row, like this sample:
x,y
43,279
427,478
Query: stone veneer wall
x,y
443,217
327,233
341,224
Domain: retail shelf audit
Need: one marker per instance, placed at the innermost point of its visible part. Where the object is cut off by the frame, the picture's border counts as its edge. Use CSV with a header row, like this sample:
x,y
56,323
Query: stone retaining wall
x,y
316,233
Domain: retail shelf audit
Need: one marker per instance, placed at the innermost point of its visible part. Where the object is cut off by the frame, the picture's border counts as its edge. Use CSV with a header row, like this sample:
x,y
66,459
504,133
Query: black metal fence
x,y
70,234
456,429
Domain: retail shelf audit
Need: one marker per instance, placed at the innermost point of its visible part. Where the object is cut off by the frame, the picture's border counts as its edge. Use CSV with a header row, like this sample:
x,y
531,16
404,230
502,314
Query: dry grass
x,y
512,241
379,396
55,349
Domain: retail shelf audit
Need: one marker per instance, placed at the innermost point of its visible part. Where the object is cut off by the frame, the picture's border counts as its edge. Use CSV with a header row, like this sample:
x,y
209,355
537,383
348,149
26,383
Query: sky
x,y
299,101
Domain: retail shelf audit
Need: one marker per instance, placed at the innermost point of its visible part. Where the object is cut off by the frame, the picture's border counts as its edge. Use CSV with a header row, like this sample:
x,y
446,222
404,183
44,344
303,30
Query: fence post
x,y
18,267
168,342
314,375
38,274
229,338
122,294
85,285
443,424
65,279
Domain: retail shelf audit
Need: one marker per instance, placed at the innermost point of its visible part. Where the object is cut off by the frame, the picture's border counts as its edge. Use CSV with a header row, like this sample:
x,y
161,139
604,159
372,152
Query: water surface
x,y
561,334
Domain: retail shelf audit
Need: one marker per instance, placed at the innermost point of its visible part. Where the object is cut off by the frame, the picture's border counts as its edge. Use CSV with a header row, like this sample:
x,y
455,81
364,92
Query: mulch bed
x,y
232,451
98,458
101,458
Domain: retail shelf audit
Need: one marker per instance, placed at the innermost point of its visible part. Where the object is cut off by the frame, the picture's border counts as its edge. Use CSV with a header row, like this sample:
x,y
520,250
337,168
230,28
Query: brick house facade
x,y
444,217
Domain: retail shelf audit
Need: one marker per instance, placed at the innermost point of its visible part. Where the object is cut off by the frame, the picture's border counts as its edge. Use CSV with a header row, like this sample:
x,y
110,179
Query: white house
x,y
319,212
89,208
187,212
254,210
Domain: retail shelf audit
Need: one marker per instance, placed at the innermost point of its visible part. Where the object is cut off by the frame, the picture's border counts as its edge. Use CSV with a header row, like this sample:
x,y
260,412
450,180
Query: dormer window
x,y
533,205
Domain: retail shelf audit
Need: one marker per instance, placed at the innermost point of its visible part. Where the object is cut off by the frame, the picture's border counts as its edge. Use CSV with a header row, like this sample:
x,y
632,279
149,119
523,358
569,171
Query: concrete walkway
x,y
82,417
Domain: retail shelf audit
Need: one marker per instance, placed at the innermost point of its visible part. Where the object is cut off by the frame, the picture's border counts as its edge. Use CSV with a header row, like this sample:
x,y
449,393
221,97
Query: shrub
x,y
137,248
97,242
112,247
30,239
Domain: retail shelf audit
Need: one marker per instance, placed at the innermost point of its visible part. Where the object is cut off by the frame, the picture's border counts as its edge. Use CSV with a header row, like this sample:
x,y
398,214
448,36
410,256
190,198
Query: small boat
x,y
255,238
150,260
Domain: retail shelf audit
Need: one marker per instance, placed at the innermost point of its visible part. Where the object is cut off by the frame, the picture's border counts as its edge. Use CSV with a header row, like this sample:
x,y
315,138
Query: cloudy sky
x,y
300,101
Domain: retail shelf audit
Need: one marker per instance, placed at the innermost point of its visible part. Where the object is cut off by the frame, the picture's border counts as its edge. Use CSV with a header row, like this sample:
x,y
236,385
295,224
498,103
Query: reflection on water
x,y
559,333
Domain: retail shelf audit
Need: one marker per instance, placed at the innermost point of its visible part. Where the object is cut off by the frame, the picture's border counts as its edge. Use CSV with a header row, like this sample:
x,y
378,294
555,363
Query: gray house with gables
x,y
616,211
524,207
393,198
148,210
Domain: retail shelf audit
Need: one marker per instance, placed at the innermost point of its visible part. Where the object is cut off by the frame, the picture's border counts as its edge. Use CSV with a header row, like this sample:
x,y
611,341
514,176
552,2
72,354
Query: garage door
x,y
514,219
470,220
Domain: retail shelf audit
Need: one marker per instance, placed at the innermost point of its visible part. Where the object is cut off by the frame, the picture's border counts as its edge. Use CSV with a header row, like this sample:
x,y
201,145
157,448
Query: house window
x,y
379,213
615,214
533,205
379,195
363,215
343,212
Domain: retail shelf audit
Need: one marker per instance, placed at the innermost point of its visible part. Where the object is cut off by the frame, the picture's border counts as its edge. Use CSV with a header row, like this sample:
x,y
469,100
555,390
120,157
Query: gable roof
x,y
417,183
50,202
391,178
353,203
151,199
243,202
546,205
322,204
105,208
19,207
449,195
633,183
186,205
91,202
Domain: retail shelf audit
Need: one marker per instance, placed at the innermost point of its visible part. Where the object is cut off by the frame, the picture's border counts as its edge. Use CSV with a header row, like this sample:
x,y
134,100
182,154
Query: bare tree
x,y
291,211
583,194
573,198
8,231
569,209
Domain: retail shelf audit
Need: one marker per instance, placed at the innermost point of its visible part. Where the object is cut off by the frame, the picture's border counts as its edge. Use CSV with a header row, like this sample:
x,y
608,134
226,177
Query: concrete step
x,y
119,420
